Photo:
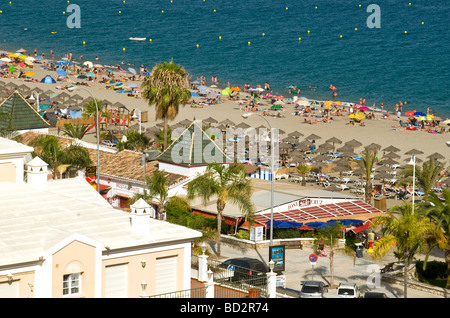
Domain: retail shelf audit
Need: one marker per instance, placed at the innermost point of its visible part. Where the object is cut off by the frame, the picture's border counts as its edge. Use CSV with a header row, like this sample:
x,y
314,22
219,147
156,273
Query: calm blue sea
x,y
383,64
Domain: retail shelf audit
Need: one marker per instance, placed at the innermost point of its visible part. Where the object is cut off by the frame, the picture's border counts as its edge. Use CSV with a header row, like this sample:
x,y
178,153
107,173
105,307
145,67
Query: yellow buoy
x,y
263,34
309,31
356,29
123,49
287,8
360,6
406,32
299,39
248,42
162,11
150,40
220,38
423,22
214,10
340,36
120,11
64,12
316,7
84,43
197,45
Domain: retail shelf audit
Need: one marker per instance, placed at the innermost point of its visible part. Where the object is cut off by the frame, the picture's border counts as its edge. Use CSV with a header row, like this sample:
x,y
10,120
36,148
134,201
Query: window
x,y
71,284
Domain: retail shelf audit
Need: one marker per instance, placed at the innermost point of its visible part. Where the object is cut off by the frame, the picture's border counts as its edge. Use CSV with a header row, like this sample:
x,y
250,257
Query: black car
x,y
246,268
375,295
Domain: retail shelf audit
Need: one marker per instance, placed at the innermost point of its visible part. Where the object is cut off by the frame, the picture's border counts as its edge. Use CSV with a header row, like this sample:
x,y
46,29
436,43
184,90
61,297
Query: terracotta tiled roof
x,y
124,164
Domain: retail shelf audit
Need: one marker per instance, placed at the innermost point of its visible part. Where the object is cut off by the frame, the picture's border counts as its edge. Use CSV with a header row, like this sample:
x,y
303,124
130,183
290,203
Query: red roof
x,y
323,211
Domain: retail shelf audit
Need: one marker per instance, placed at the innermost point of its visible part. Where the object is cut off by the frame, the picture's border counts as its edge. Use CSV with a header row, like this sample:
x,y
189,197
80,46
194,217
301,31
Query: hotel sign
x,y
304,203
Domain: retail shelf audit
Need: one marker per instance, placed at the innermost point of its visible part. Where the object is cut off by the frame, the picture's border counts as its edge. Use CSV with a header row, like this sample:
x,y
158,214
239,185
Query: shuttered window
x,y
8,290
116,281
166,275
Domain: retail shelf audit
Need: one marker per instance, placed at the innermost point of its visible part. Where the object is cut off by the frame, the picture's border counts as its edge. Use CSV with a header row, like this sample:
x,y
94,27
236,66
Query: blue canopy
x,y
194,94
48,80
284,224
345,222
317,225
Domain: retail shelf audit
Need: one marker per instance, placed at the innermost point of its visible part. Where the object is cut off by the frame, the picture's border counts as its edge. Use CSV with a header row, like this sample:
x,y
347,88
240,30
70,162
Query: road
x,y
346,270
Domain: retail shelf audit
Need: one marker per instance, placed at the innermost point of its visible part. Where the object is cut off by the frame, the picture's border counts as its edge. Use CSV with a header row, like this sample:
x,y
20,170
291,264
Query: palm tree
x,y
167,88
75,130
329,238
50,150
134,141
303,169
157,188
89,109
427,176
369,157
405,230
439,212
228,184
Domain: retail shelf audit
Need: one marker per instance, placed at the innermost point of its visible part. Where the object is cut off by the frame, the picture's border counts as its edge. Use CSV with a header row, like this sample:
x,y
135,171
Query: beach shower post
x,y
97,129
272,171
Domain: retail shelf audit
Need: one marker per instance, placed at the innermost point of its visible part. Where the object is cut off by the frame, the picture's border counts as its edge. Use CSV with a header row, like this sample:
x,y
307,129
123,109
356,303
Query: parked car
x,y
313,289
246,268
375,295
348,291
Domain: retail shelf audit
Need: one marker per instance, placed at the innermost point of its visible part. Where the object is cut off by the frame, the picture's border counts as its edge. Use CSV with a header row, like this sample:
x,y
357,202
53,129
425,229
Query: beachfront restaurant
x,y
306,209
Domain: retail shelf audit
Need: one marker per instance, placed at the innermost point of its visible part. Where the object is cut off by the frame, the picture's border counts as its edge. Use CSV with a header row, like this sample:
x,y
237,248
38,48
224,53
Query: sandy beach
x,y
385,132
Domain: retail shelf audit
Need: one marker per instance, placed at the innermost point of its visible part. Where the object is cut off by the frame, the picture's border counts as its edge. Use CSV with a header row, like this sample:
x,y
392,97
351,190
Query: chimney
x,y
140,217
37,173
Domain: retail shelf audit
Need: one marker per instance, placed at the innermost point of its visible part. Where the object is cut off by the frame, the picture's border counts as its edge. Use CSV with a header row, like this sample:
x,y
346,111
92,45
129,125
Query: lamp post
x,y
97,129
246,115
413,162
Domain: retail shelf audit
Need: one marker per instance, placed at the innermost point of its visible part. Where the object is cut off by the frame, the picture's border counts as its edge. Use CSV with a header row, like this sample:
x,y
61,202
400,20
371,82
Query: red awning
x,y
360,228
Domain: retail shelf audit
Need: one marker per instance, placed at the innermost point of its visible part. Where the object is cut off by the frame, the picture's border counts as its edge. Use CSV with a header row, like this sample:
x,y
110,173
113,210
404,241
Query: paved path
x,y
346,270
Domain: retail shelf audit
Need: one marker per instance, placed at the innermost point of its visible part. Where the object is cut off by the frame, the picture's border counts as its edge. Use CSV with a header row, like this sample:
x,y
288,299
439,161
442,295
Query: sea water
x,y
258,41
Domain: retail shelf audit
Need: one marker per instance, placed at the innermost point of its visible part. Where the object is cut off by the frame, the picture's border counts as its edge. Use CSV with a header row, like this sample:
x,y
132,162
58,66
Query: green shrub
x,y
243,235
434,270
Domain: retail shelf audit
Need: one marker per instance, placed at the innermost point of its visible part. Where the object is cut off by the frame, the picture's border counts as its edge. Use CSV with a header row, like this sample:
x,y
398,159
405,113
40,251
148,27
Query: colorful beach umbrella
x,y
419,114
314,103
409,113
275,107
363,108
90,74
29,74
61,72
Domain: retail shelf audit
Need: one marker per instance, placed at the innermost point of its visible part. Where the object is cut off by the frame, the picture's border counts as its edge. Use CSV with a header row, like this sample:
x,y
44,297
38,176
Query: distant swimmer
x,y
332,88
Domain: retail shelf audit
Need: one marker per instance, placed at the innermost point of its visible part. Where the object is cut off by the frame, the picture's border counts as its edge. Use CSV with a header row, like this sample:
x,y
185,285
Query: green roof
x,y
193,148
22,115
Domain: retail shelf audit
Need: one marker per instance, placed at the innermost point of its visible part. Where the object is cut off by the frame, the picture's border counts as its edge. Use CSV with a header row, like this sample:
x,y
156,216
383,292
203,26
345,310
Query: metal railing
x,y
188,293
236,277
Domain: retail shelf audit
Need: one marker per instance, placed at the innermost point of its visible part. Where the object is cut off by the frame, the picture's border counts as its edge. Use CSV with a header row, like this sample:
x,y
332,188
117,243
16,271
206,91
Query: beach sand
x,y
379,131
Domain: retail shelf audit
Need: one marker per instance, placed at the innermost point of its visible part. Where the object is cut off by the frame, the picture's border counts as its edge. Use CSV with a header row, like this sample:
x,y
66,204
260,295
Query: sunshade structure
x,y
353,209
22,116
48,80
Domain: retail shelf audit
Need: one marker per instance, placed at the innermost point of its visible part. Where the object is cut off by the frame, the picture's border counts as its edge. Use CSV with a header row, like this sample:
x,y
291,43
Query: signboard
x,y
256,233
281,281
91,171
277,255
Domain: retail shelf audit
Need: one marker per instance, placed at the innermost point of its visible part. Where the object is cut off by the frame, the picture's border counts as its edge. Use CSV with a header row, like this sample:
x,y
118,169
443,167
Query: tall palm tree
x,y
369,157
427,176
167,87
405,230
329,237
439,212
55,155
227,183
